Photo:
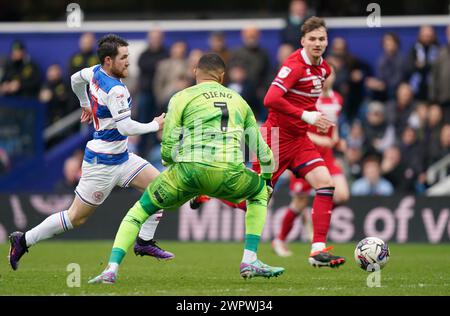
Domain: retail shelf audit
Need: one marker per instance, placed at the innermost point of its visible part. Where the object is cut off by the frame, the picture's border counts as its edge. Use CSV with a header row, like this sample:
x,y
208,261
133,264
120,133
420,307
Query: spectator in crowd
x,y
254,58
418,120
3,60
440,150
372,183
423,54
356,138
168,73
186,79
440,78
55,94
414,154
352,162
21,76
239,82
4,161
72,174
86,56
390,70
379,134
148,62
393,169
218,45
283,52
298,13
193,58
433,131
350,77
400,110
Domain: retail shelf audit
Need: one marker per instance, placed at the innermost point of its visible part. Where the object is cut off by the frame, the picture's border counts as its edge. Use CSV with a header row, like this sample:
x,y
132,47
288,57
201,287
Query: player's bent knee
x,y
325,183
299,203
341,197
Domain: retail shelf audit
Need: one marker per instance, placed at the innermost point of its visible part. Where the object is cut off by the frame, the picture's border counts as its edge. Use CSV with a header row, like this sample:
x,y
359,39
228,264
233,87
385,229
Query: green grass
x,y
213,269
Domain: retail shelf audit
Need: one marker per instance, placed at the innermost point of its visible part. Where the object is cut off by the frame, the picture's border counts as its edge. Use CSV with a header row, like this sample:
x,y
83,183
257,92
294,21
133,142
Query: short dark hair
x,y
211,62
108,45
18,45
393,36
372,156
312,24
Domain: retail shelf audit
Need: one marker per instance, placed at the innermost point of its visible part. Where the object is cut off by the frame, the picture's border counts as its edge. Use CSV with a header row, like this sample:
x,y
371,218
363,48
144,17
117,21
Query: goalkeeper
x,y
201,144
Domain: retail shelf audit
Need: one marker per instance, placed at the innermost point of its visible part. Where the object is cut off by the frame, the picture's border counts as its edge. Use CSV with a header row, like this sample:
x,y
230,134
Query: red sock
x,y
287,224
242,205
321,213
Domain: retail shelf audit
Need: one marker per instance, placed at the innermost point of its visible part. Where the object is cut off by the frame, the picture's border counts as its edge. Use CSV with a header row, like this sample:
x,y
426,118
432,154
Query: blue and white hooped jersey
x,y
110,103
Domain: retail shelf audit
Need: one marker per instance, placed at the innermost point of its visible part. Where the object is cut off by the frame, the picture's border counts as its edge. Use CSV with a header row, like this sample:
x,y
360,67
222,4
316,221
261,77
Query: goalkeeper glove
x,y
267,177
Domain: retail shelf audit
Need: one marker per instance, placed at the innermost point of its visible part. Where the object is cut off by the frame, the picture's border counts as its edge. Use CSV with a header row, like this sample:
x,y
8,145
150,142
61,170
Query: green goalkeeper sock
x,y
255,219
127,233
252,242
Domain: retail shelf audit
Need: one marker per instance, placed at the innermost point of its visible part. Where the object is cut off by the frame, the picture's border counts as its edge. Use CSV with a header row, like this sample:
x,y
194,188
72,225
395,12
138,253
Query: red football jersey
x,y
331,107
302,84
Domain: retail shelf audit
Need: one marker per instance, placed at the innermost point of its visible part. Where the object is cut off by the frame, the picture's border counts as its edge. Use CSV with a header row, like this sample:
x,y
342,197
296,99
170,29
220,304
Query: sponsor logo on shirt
x,y
284,72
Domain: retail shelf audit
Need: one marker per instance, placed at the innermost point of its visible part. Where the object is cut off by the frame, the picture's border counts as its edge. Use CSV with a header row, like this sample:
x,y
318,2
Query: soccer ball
x,y
372,254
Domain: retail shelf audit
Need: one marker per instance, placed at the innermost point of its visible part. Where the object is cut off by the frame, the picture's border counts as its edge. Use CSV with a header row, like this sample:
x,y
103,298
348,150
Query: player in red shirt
x,y
291,101
330,105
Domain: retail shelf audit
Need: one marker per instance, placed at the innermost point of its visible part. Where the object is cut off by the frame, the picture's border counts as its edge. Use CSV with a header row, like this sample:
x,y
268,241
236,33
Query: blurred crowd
x,y
395,118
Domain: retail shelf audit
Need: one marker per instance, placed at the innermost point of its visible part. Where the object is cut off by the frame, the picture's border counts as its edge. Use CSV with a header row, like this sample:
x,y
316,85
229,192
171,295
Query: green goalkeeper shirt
x,y
207,123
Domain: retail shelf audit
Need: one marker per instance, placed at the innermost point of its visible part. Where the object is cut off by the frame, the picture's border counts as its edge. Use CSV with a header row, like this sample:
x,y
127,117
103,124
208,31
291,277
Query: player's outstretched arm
x,y
129,127
119,106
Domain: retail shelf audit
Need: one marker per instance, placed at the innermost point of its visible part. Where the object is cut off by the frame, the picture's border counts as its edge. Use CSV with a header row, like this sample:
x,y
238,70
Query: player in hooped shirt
x,y
330,105
107,162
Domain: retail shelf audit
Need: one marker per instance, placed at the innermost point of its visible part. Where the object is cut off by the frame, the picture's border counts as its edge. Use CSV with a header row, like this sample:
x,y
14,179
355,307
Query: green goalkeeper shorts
x,y
185,180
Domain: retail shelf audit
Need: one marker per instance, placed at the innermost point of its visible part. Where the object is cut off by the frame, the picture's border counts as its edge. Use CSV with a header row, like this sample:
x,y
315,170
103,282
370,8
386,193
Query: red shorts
x,y
298,155
300,185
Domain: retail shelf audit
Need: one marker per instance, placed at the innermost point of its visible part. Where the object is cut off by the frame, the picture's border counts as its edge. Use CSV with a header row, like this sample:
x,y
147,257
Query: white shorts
x,y
98,180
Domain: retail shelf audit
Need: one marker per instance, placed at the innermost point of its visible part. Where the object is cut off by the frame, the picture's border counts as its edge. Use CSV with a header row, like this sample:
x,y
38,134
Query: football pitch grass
x,y
212,269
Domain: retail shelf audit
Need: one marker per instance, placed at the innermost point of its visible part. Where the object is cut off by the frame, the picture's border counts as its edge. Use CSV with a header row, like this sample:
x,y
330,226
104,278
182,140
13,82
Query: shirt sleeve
x,y
79,81
172,130
285,80
118,103
286,77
